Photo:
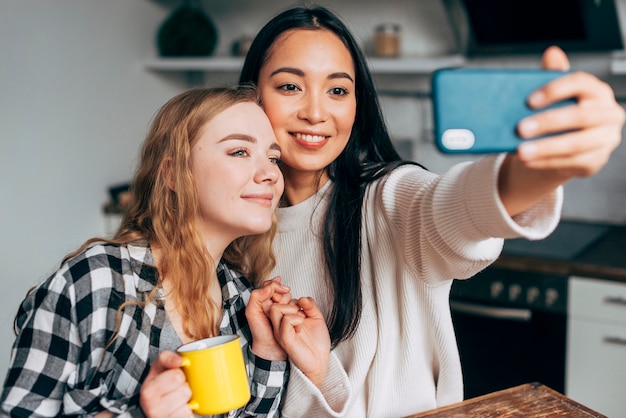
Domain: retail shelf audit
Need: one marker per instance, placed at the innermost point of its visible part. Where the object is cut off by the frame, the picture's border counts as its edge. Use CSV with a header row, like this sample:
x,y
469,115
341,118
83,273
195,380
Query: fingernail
x,y
536,99
527,150
528,127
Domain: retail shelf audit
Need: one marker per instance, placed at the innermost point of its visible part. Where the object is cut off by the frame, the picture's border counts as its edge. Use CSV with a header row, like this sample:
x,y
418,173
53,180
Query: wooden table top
x,y
528,400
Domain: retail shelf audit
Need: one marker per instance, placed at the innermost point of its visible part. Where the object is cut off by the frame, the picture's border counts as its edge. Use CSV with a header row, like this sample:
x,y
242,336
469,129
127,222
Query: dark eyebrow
x,y
298,72
340,75
289,70
247,138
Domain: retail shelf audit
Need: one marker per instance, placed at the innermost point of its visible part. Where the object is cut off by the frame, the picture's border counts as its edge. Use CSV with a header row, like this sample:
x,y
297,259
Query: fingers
x,y
273,290
293,314
309,307
165,361
569,118
281,311
171,403
595,104
164,392
301,330
257,312
289,324
576,152
273,280
580,136
554,58
579,85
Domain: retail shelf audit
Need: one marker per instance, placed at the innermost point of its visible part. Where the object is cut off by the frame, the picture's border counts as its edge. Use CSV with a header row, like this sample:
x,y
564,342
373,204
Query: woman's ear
x,y
167,171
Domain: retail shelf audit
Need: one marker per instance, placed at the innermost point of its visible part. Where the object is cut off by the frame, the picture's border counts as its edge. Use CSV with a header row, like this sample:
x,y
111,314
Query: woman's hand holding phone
x,y
591,131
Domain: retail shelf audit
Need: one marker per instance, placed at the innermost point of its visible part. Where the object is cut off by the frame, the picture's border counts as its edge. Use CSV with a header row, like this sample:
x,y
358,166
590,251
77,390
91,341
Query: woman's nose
x,y
268,172
313,108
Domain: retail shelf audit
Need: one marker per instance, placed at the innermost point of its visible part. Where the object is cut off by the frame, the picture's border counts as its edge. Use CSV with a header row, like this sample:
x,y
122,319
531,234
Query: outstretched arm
x,y
592,126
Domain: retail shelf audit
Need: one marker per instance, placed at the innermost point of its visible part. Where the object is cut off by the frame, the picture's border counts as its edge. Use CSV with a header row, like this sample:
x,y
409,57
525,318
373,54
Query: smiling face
x,y
307,88
234,164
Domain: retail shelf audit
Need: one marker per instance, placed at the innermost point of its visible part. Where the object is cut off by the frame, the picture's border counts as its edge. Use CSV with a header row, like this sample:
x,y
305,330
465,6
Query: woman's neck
x,y
300,186
171,304
173,312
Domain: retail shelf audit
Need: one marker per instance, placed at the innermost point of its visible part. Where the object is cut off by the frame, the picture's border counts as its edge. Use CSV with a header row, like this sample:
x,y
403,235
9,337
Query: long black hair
x,y
369,155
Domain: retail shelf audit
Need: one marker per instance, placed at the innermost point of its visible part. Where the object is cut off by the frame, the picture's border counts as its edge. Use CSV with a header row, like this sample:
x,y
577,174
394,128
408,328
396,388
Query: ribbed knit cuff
x,y
305,399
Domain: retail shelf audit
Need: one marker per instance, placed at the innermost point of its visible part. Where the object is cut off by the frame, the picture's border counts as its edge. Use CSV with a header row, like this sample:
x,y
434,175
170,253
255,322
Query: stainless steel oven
x,y
511,329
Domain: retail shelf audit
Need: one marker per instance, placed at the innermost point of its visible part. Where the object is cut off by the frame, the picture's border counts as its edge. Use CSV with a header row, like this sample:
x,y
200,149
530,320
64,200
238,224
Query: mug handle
x,y
193,405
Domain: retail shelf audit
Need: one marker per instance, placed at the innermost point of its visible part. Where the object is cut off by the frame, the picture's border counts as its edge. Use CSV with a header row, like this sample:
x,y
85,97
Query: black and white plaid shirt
x,y
58,362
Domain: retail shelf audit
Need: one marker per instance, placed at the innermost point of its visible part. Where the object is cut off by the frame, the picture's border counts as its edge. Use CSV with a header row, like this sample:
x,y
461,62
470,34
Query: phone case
x,y
477,110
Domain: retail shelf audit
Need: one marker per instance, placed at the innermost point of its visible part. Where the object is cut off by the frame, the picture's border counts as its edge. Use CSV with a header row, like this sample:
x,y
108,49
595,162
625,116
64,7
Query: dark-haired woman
x,y
377,241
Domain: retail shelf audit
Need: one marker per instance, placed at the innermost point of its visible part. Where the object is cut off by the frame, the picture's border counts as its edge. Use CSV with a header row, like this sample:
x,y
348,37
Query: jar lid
x,y
388,27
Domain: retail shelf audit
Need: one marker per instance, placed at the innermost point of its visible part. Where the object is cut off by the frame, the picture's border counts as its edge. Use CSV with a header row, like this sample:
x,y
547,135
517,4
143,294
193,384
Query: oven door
x,y
501,347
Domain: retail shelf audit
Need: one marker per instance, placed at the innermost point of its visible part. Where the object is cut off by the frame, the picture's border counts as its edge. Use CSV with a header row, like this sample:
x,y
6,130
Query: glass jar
x,y
387,40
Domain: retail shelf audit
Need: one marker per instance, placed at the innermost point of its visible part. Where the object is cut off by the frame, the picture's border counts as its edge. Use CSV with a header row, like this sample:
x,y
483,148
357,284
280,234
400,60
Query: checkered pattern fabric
x,y
59,364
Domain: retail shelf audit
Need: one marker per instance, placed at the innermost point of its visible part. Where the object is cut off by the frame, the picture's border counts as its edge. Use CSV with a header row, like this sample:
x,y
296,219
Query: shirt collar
x,y
143,266
233,285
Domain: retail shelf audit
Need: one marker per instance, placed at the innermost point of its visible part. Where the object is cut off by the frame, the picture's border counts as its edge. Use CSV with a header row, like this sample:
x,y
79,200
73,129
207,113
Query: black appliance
x,y
487,27
511,329
511,324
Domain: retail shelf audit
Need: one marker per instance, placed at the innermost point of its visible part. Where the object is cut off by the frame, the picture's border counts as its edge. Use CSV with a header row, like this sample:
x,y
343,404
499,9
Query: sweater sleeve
x,y
456,221
471,191
45,352
304,399
268,380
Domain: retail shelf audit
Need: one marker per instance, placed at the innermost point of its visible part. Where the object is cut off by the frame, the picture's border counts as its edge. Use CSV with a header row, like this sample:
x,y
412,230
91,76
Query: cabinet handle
x,y
615,340
615,300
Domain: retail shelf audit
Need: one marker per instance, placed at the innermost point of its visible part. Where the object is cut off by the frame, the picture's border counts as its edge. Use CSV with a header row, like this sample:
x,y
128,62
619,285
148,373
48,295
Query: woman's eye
x,y
338,91
274,160
288,87
239,153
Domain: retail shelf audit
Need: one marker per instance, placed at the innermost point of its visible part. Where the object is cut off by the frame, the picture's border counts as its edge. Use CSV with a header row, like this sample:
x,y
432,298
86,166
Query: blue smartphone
x,y
476,110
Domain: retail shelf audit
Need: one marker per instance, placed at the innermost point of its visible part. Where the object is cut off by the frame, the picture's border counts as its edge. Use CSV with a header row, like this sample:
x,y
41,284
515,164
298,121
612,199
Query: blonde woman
x,y
201,218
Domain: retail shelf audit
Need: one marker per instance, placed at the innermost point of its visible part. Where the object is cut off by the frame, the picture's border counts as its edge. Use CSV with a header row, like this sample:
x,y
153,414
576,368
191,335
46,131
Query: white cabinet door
x,y
596,299
596,366
596,346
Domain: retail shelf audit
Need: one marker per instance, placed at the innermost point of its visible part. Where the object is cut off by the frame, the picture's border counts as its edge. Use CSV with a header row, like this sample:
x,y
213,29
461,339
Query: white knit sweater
x,y
420,231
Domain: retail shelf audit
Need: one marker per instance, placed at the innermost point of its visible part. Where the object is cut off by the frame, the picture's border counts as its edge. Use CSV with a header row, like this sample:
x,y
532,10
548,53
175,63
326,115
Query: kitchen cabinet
x,y
596,345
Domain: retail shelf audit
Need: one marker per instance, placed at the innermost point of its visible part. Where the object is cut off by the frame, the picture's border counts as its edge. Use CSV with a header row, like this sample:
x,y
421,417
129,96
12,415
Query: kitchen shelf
x,y
413,65
212,64
404,65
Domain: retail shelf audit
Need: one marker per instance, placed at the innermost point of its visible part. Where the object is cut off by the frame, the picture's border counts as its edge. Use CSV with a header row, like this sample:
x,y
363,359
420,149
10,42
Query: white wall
x,y
74,106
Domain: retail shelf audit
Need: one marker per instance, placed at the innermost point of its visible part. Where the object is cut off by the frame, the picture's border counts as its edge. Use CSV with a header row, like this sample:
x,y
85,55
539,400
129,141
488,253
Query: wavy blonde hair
x,y
164,209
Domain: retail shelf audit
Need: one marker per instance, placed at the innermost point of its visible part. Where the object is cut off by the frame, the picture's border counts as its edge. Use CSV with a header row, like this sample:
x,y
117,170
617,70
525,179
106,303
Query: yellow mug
x,y
216,373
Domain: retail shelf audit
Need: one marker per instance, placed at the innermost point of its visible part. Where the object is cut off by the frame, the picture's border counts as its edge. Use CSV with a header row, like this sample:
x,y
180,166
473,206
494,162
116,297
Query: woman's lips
x,y
264,200
310,141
